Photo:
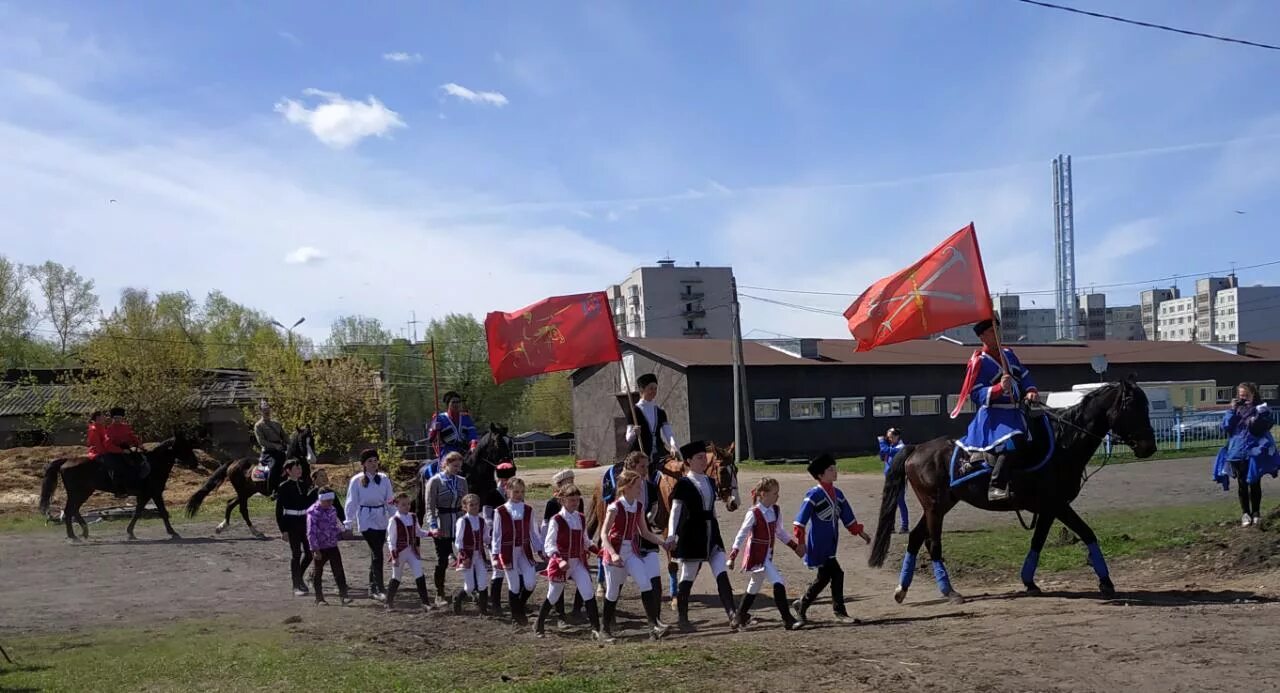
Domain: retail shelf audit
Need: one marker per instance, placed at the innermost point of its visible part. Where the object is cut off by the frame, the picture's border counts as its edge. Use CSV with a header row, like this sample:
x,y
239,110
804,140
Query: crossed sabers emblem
x,y
920,291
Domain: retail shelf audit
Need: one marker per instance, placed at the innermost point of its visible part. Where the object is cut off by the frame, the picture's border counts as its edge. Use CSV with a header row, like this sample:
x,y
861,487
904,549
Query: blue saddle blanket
x,y
963,470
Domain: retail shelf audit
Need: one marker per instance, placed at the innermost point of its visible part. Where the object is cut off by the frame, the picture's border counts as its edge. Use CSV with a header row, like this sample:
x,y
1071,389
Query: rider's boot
x,y
999,489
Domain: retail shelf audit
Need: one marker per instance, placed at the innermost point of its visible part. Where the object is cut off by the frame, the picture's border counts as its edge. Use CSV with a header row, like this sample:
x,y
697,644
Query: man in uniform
x,y
654,432
451,430
271,439
999,428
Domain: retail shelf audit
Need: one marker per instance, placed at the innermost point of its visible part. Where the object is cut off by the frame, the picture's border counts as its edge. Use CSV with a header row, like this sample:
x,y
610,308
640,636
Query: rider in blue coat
x,y
999,427
451,431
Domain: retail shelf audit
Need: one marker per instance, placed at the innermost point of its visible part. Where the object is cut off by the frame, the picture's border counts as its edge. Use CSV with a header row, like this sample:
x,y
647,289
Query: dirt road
x,y
1174,630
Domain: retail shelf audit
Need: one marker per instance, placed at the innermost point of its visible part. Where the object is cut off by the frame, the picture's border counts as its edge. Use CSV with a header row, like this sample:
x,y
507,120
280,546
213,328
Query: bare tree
x,y
69,301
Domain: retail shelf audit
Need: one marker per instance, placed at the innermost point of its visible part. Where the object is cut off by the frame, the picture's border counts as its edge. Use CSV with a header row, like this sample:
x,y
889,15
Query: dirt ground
x,y
1187,621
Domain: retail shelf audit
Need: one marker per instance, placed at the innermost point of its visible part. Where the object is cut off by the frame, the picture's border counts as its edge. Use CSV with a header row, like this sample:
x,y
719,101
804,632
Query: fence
x,y
544,448
1191,431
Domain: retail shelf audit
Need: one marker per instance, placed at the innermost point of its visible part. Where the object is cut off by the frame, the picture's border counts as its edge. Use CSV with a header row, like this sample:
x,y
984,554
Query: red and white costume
x,y
621,550
470,544
567,540
515,538
754,544
403,531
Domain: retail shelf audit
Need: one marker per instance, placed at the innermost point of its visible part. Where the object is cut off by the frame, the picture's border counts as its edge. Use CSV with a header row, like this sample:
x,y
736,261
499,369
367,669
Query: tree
x,y
18,348
231,330
351,331
462,362
69,301
342,397
143,359
547,404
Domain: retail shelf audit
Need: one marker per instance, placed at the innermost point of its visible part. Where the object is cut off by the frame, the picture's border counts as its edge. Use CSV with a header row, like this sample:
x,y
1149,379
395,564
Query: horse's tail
x,y
596,517
895,482
50,483
215,480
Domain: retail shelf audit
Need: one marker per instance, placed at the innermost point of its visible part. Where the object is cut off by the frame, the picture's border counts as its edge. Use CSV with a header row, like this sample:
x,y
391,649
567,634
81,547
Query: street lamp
x,y
289,330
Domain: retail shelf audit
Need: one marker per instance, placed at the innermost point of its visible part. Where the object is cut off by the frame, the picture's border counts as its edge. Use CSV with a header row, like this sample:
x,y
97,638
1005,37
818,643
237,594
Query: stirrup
x,y
997,494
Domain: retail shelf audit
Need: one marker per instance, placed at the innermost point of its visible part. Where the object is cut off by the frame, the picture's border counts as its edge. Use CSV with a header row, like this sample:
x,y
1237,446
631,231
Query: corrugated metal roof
x,y
718,352
222,389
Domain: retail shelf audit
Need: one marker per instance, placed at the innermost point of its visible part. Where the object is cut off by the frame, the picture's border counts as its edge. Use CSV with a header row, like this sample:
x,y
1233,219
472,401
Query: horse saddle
x,y
261,472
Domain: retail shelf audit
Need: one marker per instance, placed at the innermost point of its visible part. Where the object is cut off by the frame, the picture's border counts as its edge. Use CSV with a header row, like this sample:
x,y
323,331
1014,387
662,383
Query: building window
x,y
808,408
926,405
1224,394
969,406
848,407
1270,392
767,409
886,406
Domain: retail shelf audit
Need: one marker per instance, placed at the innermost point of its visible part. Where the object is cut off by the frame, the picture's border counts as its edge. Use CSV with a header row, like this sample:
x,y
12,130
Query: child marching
x,y
369,497
470,545
817,525
567,549
756,537
444,493
515,542
559,481
504,473
292,500
695,532
323,531
403,533
625,526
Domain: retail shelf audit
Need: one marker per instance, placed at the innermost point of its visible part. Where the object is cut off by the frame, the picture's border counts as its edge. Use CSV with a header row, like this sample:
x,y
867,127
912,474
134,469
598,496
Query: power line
x,y
1150,25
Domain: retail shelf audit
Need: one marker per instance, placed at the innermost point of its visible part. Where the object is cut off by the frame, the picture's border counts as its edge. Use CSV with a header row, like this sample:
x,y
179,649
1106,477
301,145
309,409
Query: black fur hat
x,y
984,325
820,465
688,450
646,380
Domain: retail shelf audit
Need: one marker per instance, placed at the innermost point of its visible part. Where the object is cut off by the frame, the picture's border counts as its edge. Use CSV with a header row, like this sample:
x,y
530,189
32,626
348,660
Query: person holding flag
x,y
996,382
451,430
653,436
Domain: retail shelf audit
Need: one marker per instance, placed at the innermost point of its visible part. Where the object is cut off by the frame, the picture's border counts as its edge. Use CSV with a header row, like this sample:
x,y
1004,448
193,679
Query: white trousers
x,y
689,569
633,566
581,579
406,557
766,574
476,577
523,570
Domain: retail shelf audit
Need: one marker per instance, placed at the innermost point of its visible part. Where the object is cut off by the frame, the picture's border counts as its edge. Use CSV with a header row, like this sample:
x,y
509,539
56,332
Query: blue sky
x,y
379,158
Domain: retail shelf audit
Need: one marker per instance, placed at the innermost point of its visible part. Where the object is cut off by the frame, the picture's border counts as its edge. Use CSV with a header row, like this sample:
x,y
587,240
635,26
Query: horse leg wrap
x,y
908,570
1029,568
943,579
1098,562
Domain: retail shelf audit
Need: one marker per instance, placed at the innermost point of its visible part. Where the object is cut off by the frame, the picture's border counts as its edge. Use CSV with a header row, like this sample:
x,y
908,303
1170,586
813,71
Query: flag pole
x,y
627,381
1004,364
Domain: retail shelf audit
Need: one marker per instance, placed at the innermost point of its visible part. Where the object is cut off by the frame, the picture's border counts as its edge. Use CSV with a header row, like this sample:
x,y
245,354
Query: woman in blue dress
x,y
1250,452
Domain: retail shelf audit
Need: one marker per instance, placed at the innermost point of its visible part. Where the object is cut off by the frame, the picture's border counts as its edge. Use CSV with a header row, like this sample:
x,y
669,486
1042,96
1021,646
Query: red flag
x,y
556,334
944,289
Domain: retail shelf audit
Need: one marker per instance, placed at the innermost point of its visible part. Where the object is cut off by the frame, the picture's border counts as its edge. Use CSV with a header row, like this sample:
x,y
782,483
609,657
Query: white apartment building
x,y
1247,314
1176,320
667,301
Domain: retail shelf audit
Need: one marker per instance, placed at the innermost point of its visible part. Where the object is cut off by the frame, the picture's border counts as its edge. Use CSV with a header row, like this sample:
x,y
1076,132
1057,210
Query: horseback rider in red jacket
x,y
121,447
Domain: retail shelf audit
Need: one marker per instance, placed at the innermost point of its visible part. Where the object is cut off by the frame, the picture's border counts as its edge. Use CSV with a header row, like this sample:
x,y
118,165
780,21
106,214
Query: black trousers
x,y
829,573
299,553
1250,494
377,540
333,557
276,459
444,550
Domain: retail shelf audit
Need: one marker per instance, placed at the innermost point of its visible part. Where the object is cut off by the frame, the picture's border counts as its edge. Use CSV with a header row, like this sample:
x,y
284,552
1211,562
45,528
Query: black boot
x,y
518,615
682,607
575,616
610,609
439,580
315,587
652,608
593,616
725,588
655,585
482,600
540,627
801,606
784,606
743,617
423,594
495,597
837,597
458,598
392,588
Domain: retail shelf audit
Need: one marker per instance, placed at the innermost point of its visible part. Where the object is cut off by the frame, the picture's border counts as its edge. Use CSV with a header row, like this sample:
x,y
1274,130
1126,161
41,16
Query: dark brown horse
x,y
1057,452
81,480
242,476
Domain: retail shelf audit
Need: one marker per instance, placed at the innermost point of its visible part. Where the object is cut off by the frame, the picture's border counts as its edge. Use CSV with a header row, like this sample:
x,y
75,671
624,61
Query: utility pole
x,y
386,390
413,324
742,412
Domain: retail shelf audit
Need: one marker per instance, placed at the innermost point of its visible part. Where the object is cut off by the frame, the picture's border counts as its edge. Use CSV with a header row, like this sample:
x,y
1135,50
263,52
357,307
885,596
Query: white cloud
x,y
458,91
340,122
402,57
305,255
290,37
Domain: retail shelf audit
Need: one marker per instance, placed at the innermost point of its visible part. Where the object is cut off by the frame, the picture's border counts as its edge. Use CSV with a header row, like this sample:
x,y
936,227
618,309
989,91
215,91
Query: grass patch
x,y
1120,533
220,656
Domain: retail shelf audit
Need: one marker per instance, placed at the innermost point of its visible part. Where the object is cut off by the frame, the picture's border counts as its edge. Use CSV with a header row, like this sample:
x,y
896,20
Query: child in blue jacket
x,y
817,526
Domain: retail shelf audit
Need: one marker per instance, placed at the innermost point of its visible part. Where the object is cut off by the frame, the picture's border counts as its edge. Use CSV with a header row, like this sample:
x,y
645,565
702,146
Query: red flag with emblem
x,y
556,334
944,289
